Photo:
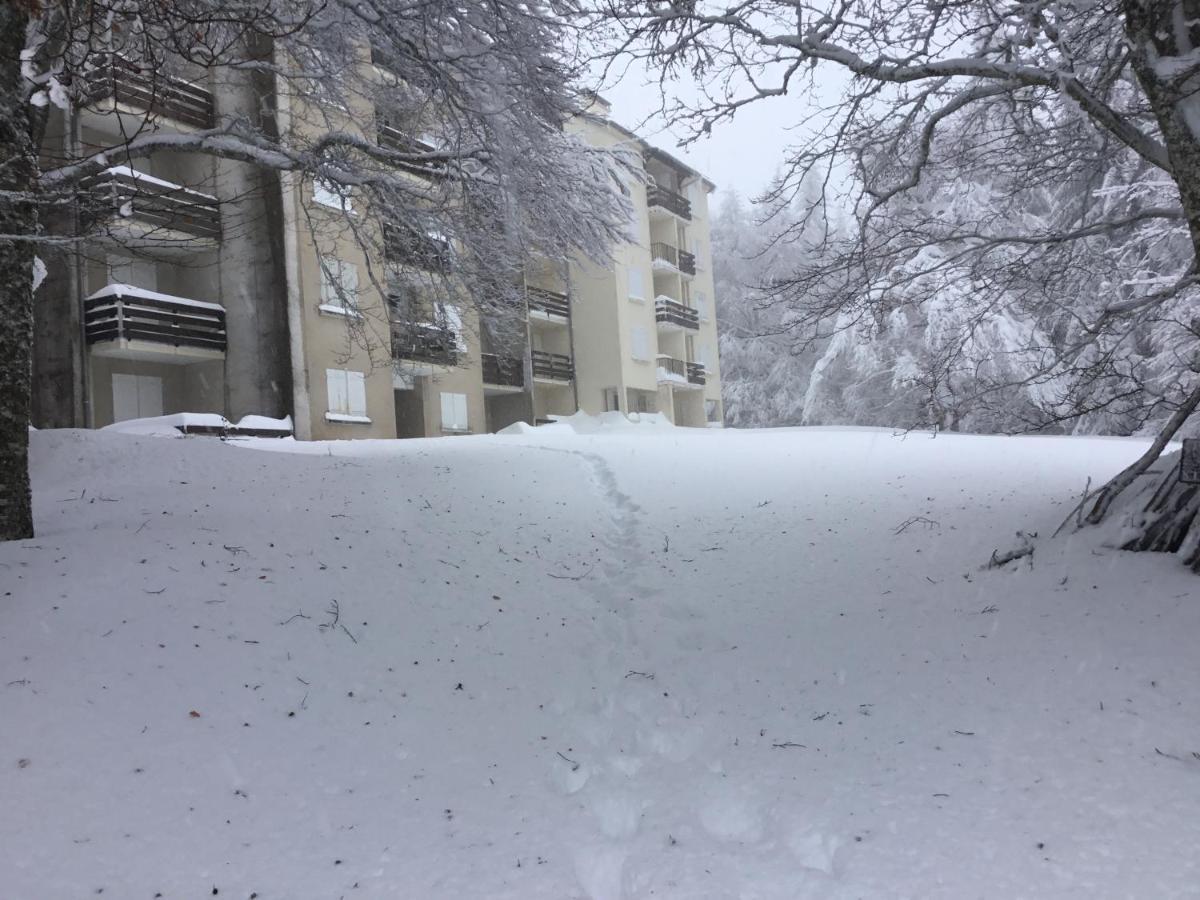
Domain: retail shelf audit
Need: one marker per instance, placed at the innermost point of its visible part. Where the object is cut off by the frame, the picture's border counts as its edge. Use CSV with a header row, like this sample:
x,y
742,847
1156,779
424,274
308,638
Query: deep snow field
x,y
639,662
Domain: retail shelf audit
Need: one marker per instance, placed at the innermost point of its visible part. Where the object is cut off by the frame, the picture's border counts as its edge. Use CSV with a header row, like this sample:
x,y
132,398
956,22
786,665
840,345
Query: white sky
x,y
741,156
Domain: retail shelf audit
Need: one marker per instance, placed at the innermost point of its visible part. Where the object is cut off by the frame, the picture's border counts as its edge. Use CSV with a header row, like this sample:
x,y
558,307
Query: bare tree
x,y
1077,125
439,124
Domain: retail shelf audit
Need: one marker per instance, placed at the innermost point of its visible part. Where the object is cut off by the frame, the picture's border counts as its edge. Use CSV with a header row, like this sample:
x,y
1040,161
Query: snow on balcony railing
x,y
548,303
143,88
672,313
123,312
162,204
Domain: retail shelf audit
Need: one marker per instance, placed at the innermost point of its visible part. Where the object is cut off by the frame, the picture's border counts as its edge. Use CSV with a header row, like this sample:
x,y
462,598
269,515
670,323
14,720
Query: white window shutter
x,y
336,387
636,285
356,390
329,274
454,411
348,276
150,396
460,410
125,396
447,410
640,343
454,323
701,303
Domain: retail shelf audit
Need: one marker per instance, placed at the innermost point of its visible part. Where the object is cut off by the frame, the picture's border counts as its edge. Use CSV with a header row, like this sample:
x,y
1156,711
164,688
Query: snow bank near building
x,y
178,424
584,423
633,662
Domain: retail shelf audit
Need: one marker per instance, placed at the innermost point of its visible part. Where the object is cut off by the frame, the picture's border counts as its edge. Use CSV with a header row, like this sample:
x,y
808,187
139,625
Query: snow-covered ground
x,y
641,662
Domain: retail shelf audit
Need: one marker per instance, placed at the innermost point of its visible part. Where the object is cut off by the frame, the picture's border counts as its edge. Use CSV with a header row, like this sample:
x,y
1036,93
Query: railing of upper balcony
x,y
406,246
552,303
696,373
120,312
153,201
556,366
503,370
671,312
424,342
391,137
687,263
669,200
159,94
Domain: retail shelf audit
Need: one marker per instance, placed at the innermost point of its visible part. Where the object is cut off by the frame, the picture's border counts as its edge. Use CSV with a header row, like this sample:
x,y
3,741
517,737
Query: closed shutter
x,y
337,388
356,390
637,287
640,343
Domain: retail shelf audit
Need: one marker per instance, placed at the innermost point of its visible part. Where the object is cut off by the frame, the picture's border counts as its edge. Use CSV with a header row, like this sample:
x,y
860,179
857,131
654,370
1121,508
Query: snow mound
x,y
585,423
177,424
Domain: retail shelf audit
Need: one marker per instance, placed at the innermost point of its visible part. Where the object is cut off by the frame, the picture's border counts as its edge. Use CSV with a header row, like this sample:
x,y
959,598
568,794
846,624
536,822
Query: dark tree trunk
x,y
1159,29
17,217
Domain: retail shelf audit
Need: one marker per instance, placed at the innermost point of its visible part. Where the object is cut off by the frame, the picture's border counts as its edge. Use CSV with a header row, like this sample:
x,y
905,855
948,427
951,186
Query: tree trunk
x,y
17,217
1164,30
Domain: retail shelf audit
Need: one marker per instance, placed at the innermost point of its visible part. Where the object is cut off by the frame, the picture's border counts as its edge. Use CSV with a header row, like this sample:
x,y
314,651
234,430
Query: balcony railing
x,y
687,263
551,303
398,140
121,312
664,252
553,366
424,342
696,373
668,200
503,371
153,91
404,245
671,313
158,203
671,369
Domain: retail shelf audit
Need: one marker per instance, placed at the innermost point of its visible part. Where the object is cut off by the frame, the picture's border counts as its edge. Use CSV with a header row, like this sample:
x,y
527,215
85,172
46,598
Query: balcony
x,y
404,245
549,305
400,141
129,322
503,371
687,263
661,198
664,256
672,315
165,207
424,342
552,366
681,374
158,94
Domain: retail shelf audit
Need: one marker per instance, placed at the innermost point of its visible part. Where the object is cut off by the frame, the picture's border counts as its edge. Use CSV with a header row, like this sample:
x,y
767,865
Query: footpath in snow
x,y
605,662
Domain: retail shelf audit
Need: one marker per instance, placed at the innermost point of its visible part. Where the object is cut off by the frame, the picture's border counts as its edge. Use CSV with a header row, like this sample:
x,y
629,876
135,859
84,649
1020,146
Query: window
x,y
637,285
347,396
454,412
335,196
612,400
136,396
451,318
694,247
339,286
700,304
640,343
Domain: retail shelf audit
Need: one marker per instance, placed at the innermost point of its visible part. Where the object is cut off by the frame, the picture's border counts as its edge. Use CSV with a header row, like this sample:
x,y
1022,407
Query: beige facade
x,y
218,289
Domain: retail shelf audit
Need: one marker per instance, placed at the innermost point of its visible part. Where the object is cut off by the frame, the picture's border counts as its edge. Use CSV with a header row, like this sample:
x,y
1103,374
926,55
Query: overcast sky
x,y
741,156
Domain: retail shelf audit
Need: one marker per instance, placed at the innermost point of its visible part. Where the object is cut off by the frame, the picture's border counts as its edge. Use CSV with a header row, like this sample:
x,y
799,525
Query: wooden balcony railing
x,y
158,203
138,86
669,200
123,312
696,373
687,263
551,303
406,246
424,342
672,313
671,369
504,371
555,366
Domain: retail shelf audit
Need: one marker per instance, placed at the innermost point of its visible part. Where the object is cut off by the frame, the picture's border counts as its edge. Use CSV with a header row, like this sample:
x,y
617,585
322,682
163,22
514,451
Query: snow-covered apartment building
x,y
210,290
